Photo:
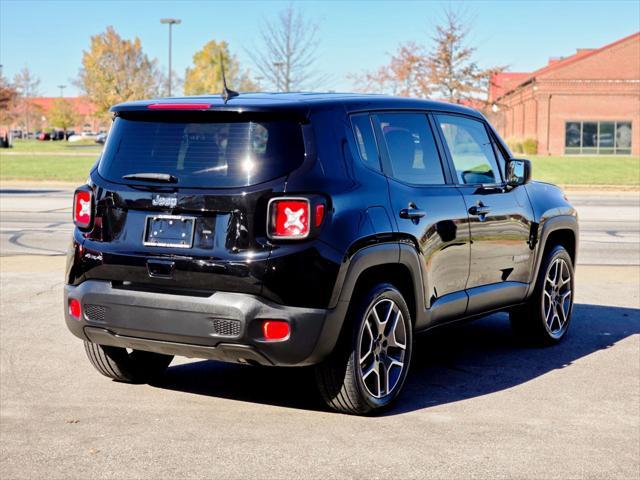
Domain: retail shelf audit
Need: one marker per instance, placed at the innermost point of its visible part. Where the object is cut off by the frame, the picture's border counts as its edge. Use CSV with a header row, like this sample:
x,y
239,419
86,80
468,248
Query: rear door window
x,y
413,155
203,153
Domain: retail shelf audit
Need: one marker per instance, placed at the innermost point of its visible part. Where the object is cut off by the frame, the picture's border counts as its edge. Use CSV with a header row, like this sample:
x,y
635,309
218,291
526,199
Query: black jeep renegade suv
x,y
309,229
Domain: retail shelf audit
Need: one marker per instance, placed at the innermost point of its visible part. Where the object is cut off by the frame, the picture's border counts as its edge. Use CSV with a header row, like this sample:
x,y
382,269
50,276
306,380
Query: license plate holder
x,y
175,231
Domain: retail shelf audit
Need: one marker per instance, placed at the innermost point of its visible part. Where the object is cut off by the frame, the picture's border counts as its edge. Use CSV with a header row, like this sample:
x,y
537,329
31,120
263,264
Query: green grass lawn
x,y
578,170
88,146
42,167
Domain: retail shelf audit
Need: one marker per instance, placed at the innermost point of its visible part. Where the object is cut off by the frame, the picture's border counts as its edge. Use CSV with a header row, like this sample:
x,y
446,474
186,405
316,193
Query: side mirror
x,y
518,172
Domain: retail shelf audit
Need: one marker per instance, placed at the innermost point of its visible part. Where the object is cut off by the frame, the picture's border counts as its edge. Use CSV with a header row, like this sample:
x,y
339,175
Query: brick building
x,y
587,103
38,113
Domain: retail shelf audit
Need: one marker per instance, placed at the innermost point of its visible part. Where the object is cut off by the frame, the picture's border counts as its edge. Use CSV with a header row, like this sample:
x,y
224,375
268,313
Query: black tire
x,y
119,364
531,321
341,379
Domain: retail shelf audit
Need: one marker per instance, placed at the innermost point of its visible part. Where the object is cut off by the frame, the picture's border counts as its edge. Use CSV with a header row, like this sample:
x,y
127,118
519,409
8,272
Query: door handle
x,y
479,210
412,213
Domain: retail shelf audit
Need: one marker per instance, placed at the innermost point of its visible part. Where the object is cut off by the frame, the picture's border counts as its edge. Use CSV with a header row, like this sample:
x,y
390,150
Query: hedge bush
x,y
530,146
514,145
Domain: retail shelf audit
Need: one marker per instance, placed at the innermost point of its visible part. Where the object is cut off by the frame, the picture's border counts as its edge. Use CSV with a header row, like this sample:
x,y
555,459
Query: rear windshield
x,y
203,154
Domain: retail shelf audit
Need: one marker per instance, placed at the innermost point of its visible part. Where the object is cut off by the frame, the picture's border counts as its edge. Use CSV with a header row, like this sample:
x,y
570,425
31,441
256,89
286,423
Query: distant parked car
x,y
6,138
44,136
101,138
75,138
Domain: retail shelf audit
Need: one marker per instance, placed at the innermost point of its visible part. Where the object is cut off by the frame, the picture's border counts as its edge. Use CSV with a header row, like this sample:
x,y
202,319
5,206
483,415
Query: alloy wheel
x,y
557,298
382,344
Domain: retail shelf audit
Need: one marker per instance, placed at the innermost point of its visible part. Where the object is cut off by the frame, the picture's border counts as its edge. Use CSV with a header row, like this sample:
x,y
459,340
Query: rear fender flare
x,y
352,269
550,225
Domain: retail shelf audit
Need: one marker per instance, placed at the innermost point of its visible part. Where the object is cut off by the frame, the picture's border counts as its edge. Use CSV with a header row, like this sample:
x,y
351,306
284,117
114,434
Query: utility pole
x,y
278,66
62,87
171,22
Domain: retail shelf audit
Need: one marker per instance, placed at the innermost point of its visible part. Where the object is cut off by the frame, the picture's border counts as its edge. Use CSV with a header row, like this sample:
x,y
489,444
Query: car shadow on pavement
x,y
450,364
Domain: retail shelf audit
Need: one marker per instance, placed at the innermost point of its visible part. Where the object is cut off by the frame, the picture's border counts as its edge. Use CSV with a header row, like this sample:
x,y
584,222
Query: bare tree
x,y
454,74
448,71
289,51
406,75
27,86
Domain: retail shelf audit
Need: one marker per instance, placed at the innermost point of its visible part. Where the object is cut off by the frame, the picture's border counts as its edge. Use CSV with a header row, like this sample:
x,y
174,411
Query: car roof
x,y
301,102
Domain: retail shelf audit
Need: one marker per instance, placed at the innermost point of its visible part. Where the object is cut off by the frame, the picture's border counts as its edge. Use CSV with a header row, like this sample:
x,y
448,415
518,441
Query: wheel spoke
x,y
382,372
372,369
393,339
384,368
547,313
379,323
393,363
375,369
376,318
553,274
562,317
370,348
389,312
565,281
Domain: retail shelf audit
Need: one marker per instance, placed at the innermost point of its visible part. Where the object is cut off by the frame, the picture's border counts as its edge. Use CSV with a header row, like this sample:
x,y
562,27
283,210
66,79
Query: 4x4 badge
x,y
160,201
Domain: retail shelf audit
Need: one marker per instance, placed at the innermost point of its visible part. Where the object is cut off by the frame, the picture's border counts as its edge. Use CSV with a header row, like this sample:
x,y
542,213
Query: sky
x,y
355,36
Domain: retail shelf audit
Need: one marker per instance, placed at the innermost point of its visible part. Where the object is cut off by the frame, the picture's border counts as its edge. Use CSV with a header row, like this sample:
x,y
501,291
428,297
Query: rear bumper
x,y
223,326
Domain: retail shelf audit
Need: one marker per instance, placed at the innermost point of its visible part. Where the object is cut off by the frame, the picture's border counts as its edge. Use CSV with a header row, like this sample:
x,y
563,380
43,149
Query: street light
x,y
62,87
171,22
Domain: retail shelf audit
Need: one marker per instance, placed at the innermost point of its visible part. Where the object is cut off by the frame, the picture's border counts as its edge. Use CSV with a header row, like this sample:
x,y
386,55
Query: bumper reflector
x,y
75,310
275,330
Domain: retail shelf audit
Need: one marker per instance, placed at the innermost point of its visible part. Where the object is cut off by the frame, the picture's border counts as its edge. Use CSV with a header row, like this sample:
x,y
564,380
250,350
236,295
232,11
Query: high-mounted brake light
x,y
83,208
275,330
289,218
179,106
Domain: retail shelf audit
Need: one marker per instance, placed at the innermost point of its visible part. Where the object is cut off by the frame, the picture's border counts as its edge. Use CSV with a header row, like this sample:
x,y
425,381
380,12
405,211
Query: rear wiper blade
x,y
152,177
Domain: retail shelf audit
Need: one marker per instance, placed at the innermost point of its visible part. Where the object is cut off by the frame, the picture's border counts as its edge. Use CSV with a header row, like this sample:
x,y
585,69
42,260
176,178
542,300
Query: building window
x,y
598,138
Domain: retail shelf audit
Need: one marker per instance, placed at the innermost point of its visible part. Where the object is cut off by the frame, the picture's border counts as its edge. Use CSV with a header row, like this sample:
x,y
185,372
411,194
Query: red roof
x,y
81,104
504,83
501,83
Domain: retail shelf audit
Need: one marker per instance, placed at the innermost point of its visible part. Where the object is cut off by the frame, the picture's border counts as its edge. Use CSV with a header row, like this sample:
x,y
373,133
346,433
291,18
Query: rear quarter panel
x,y
552,211
305,273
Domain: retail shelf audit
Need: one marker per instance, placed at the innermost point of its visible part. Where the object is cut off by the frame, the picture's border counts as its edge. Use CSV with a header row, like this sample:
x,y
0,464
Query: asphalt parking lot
x,y
477,403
